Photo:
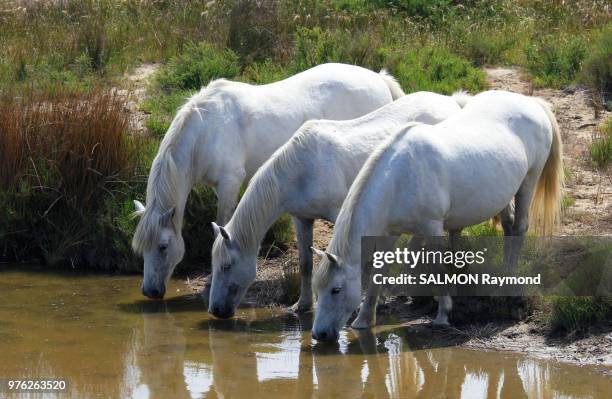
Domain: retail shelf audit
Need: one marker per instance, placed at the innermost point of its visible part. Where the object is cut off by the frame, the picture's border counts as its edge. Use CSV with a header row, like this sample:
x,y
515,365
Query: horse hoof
x,y
441,323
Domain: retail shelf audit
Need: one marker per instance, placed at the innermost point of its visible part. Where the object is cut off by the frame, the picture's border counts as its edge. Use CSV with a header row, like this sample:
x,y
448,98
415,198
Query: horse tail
x,y
546,203
392,84
461,97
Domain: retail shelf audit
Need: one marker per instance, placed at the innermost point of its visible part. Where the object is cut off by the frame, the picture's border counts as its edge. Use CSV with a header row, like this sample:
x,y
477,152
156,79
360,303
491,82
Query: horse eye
x,y
162,247
226,266
336,290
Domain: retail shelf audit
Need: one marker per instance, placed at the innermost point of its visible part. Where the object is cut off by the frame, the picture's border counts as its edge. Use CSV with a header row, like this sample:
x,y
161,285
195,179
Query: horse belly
x,y
484,195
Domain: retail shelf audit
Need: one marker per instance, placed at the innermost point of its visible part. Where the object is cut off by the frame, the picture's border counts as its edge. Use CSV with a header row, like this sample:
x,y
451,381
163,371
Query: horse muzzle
x,y
221,312
154,293
325,335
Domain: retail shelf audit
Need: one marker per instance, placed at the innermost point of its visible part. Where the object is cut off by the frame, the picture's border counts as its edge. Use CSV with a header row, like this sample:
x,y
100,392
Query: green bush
x,y
601,147
577,314
68,169
554,61
597,68
435,69
316,46
196,66
486,46
162,108
265,72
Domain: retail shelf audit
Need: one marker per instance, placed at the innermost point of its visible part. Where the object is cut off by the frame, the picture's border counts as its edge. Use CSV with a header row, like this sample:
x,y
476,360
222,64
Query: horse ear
x,y
139,209
317,252
216,229
220,230
322,254
166,218
333,259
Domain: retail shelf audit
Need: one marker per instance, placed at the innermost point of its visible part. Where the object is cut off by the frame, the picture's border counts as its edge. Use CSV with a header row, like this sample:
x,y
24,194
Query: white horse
x,y
426,179
308,178
224,133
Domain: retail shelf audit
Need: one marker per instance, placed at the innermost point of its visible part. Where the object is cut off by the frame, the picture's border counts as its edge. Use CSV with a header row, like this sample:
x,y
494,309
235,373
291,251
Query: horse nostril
x,y
155,293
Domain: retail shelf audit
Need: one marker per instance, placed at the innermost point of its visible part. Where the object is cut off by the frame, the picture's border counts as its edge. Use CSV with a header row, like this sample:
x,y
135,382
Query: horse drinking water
x,y
308,178
426,179
224,133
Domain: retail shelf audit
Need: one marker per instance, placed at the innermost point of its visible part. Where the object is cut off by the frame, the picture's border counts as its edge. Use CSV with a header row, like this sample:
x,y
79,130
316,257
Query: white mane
x,y
250,217
163,185
339,244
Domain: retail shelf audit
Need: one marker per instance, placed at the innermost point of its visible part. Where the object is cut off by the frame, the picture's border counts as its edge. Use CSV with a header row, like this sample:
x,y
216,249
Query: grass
x,y
68,173
597,68
601,147
575,315
68,168
555,61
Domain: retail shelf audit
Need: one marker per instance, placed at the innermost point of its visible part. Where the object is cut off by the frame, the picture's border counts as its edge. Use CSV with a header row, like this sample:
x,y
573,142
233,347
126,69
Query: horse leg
x,y
366,317
507,221
303,228
227,197
433,231
522,201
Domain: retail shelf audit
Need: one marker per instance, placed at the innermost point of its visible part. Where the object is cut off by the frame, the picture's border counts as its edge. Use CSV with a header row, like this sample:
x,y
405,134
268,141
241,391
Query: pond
x,y
98,333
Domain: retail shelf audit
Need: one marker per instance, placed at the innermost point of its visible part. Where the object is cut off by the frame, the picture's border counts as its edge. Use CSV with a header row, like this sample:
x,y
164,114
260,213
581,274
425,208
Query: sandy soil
x,y
135,86
590,189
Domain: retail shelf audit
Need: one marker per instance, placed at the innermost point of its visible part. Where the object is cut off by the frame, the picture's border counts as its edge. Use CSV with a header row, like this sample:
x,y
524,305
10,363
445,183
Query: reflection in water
x,y
96,332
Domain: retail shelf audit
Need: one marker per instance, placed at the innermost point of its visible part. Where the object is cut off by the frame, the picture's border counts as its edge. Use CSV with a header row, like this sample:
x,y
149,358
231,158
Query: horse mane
x,y
251,217
163,184
339,244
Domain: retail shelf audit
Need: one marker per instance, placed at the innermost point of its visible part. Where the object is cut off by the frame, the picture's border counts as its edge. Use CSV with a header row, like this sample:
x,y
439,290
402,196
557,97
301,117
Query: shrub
x,y
486,46
554,61
265,72
601,147
316,46
253,29
597,68
196,66
162,108
66,168
435,69
577,314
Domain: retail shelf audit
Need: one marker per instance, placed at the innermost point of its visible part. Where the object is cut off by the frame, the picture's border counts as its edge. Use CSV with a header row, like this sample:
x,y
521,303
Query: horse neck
x,y
175,163
260,206
367,216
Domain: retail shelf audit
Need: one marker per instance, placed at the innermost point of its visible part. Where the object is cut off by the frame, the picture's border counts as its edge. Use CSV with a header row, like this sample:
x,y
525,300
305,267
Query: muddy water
x,y
106,341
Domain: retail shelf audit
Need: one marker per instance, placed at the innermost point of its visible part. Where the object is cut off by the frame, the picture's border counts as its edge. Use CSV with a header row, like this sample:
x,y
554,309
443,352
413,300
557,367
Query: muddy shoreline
x,y
528,337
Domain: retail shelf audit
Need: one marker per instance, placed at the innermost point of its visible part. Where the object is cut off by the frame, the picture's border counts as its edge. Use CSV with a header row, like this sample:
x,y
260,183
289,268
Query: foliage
x,y
601,147
196,66
555,62
67,168
577,314
435,69
597,68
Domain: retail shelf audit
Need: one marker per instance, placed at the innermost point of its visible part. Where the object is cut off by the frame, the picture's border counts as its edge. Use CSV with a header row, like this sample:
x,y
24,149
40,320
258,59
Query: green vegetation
x,y
67,193
68,172
555,62
196,66
597,68
601,147
578,314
